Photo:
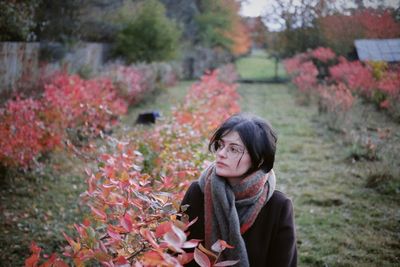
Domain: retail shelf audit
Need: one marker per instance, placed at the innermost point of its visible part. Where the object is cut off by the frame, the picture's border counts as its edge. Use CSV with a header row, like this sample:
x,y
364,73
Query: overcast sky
x,y
253,8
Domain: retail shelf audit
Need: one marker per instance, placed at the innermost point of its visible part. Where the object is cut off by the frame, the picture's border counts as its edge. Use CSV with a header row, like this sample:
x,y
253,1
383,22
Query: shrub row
x,y
70,110
335,81
135,218
32,127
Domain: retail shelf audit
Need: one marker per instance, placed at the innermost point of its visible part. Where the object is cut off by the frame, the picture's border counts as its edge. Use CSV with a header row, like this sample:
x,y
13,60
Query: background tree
x,y
149,36
237,32
220,25
17,20
365,24
258,31
58,20
297,22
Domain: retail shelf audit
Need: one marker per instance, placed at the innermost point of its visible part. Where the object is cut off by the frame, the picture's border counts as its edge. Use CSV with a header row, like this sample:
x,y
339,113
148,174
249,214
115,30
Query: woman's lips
x,y
221,164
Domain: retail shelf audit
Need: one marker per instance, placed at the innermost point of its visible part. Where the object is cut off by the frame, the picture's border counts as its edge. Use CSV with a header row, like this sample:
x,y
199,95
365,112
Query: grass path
x,y
339,221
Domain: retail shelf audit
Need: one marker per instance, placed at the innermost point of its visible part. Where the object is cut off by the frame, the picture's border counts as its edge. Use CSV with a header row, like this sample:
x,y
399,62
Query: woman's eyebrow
x,y
230,142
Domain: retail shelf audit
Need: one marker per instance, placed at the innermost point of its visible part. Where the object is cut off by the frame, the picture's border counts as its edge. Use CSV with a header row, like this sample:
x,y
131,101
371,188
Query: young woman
x,y
235,198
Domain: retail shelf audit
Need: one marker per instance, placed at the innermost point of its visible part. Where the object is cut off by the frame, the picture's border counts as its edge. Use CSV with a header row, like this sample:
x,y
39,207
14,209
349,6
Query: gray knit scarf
x,y
229,211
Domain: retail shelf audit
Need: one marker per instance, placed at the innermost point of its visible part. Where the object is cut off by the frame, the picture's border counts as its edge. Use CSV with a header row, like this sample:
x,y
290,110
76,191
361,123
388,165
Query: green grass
x,y
340,222
39,207
258,66
161,100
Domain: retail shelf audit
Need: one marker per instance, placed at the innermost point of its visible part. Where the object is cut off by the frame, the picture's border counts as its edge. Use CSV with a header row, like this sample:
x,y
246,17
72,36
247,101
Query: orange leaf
x,y
99,213
76,246
206,251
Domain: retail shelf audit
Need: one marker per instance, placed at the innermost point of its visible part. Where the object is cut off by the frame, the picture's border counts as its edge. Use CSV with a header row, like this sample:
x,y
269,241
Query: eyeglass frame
x,y
220,145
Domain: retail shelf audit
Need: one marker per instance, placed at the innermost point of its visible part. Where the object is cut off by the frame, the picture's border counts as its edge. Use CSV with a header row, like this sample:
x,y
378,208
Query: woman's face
x,y
232,158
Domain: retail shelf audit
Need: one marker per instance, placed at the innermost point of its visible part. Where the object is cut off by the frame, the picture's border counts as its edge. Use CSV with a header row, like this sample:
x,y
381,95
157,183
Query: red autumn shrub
x,y
292,65
374,81
390,83
128,81
23,134
390,86
69,104
306,79
89,106
355,75
323,54
335,98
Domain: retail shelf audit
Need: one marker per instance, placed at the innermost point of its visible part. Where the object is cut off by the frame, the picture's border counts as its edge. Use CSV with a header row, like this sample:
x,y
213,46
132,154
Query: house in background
x,y
387,50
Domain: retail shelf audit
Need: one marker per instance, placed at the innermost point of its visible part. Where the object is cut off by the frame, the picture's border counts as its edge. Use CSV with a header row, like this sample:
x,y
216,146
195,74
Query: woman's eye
x,y
234,149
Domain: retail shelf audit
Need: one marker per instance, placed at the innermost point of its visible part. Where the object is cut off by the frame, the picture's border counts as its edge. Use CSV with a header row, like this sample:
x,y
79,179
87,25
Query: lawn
x,y
340,221
258,66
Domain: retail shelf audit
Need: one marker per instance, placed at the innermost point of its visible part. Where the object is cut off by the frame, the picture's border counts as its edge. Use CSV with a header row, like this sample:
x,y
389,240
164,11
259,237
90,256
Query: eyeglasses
x,y
232,151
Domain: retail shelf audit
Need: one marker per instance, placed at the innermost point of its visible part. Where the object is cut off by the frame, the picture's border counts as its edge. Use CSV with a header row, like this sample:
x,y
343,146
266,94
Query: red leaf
x,y
35,248
32,260
126,222
185,258
121,260
149,237
201,258
190,223
163,228
114,235
175,238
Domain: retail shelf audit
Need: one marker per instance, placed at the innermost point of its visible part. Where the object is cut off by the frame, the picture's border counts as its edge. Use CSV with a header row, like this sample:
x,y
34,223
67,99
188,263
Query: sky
x,y
253,8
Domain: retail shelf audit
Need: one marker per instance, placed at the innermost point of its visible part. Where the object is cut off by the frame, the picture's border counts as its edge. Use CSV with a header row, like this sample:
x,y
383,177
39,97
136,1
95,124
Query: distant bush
x,y
149,36
335,80
70,109
17,20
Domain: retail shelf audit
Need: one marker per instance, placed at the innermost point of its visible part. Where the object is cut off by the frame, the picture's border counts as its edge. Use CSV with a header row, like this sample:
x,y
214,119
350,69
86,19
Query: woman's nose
x,y
222,152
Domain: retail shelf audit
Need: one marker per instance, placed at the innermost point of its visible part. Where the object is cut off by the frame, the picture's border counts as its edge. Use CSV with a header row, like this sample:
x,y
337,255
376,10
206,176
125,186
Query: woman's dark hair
x,y
257,135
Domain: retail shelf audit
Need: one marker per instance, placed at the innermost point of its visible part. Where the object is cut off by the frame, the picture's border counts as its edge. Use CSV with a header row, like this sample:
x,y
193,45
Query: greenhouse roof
x,y
378,50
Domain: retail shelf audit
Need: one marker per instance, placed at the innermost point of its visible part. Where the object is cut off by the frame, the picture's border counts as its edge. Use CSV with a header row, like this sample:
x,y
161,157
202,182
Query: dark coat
x,y
270,241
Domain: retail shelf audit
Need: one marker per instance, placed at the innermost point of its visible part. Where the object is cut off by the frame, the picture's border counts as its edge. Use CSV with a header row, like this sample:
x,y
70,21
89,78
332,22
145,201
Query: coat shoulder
x,y
279,198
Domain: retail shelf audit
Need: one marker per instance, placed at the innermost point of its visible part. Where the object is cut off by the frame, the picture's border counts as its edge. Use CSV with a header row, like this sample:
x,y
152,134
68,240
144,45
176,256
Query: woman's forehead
x,y
232,137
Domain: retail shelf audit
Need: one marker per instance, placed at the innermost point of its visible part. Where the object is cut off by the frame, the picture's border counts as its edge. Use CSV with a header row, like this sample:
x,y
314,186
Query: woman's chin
x,y
220,172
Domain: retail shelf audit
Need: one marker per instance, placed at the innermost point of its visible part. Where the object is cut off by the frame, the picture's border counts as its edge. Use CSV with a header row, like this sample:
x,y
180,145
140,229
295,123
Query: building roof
x,y
378,49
